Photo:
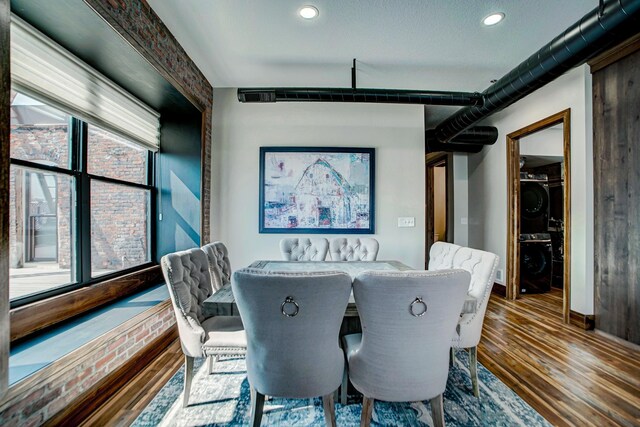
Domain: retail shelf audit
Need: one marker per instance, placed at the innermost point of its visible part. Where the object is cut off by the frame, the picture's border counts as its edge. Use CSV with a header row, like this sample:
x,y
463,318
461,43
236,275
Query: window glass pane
x,y
119,227
112,156
39,132
41,230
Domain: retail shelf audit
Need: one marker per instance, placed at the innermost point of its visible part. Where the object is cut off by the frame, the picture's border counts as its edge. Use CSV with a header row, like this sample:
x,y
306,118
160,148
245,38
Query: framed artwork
x,y
317,190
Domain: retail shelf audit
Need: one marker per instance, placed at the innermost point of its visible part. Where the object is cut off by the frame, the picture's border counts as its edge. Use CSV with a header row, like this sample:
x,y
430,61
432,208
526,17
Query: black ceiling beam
x,y
381,96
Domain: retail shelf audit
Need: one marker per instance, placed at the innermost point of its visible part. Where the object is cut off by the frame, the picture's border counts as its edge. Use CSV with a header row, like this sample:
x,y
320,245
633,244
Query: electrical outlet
x,y
499,275
406,221
464,220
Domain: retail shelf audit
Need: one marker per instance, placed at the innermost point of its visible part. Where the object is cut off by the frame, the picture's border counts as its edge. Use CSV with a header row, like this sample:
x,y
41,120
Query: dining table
x,y
222,302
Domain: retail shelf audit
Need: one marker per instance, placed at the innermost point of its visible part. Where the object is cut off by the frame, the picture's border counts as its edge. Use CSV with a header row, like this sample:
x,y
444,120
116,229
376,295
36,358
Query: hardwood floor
x,y
570,376
123,408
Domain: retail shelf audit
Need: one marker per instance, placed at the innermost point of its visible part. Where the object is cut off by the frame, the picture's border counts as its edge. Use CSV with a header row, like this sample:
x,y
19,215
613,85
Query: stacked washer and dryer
x,y
536,253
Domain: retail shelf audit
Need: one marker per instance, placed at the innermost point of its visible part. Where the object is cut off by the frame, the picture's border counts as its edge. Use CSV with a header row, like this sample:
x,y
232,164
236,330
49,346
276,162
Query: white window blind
x,y
41,67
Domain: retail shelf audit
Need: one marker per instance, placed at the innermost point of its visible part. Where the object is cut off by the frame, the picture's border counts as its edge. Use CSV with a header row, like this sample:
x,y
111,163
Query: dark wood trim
x,y
36,316
499,289
513,205
582,321
432,160
83,406
615,54
5,91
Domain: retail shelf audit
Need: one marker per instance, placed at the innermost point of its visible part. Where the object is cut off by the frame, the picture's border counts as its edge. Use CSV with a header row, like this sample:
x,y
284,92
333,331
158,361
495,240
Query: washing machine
x,y
536,263
534,203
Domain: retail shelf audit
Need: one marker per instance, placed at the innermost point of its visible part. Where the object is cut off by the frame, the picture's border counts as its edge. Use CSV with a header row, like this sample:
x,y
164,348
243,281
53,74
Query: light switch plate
x,y
406,221
464,220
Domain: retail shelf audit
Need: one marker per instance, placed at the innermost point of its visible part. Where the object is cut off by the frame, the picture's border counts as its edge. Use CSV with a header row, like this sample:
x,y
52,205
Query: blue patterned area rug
x,y
222,399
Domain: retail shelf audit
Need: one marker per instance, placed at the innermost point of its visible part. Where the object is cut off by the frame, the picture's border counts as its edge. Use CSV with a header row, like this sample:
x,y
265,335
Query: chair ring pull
x,y
418,300
290,300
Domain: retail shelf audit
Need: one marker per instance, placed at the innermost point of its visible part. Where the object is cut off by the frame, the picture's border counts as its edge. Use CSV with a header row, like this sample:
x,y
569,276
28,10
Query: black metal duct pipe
x,y
588,37
470,141
388,96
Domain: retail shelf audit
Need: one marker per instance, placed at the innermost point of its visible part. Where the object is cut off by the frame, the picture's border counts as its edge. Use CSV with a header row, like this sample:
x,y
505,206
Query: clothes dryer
x,y
534,203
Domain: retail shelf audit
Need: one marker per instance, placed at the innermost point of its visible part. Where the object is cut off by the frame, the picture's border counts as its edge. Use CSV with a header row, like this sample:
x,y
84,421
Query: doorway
x,y
539,207
438,189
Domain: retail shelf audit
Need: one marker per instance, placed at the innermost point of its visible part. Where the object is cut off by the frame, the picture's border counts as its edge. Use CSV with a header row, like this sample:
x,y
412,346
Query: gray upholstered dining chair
x,y
189,282
292,322
354,249
304,249
407,322
219,264
482,266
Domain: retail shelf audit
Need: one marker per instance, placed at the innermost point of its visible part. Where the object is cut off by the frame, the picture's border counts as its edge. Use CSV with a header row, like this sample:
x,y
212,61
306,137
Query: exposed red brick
x,y
102,362
43,401
117,343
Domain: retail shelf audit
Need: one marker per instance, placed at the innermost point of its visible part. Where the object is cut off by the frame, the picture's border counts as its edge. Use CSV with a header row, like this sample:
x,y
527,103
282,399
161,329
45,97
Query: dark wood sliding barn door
x,y
616,150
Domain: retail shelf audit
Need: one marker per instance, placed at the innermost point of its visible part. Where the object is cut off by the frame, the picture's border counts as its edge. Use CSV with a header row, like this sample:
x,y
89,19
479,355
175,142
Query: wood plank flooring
x,y
123,408
570,376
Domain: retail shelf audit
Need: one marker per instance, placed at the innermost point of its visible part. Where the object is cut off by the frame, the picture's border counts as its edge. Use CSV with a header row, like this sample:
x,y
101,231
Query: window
x,y
81,199
82,172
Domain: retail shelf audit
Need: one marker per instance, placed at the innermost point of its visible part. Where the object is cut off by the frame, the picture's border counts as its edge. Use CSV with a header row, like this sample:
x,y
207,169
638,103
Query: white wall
x,y
488,178
397,133
547,142
460,199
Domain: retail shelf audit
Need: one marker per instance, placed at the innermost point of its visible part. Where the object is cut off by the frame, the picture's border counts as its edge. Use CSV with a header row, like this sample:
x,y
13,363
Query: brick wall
x,y
66,379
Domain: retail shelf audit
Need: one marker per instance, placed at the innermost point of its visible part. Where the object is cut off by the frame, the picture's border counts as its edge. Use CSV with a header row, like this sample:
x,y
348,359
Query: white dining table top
x,y
222,301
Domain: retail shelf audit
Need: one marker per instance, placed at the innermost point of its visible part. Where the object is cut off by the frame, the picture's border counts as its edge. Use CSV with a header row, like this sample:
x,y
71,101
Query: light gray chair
x,y
304,249
219,265
407,322
189,282
441,255
354,249
482,266
292,322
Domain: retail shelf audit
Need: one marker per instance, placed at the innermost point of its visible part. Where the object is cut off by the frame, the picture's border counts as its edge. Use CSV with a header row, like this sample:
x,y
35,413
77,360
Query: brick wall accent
x,y
40,396
140,26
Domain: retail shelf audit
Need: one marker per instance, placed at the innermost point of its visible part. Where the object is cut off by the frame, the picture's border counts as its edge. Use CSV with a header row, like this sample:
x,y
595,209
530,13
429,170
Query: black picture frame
x,y
293,228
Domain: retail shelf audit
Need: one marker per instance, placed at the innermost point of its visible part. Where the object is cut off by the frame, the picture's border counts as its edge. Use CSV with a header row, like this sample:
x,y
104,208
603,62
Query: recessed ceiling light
x,y
493,19
308,12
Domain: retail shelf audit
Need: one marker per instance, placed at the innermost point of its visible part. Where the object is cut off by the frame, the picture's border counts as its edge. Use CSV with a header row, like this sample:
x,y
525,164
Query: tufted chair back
x,y
292,322
354,249
403,352
482,266
219,265
189,282
441,255
304,249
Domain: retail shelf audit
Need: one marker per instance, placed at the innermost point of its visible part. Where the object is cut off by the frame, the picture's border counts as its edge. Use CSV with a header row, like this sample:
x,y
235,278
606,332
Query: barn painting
x,y
316,190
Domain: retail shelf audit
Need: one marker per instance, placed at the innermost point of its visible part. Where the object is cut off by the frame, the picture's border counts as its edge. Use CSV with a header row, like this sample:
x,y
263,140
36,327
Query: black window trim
x,y
81,213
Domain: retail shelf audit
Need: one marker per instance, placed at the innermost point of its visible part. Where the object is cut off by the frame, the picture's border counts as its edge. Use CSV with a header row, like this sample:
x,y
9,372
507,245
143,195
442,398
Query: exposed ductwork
x,y
470,141
600,29
384,96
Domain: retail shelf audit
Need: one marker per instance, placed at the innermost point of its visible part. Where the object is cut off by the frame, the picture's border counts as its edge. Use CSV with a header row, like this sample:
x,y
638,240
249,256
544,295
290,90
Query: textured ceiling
x,y
400,44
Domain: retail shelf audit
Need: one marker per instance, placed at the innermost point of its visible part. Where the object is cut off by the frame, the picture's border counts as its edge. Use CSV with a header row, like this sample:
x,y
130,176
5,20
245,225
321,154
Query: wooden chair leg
x,y
452,359
343,387
367,411
188,377
328,405
437,411
257,404
473,370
